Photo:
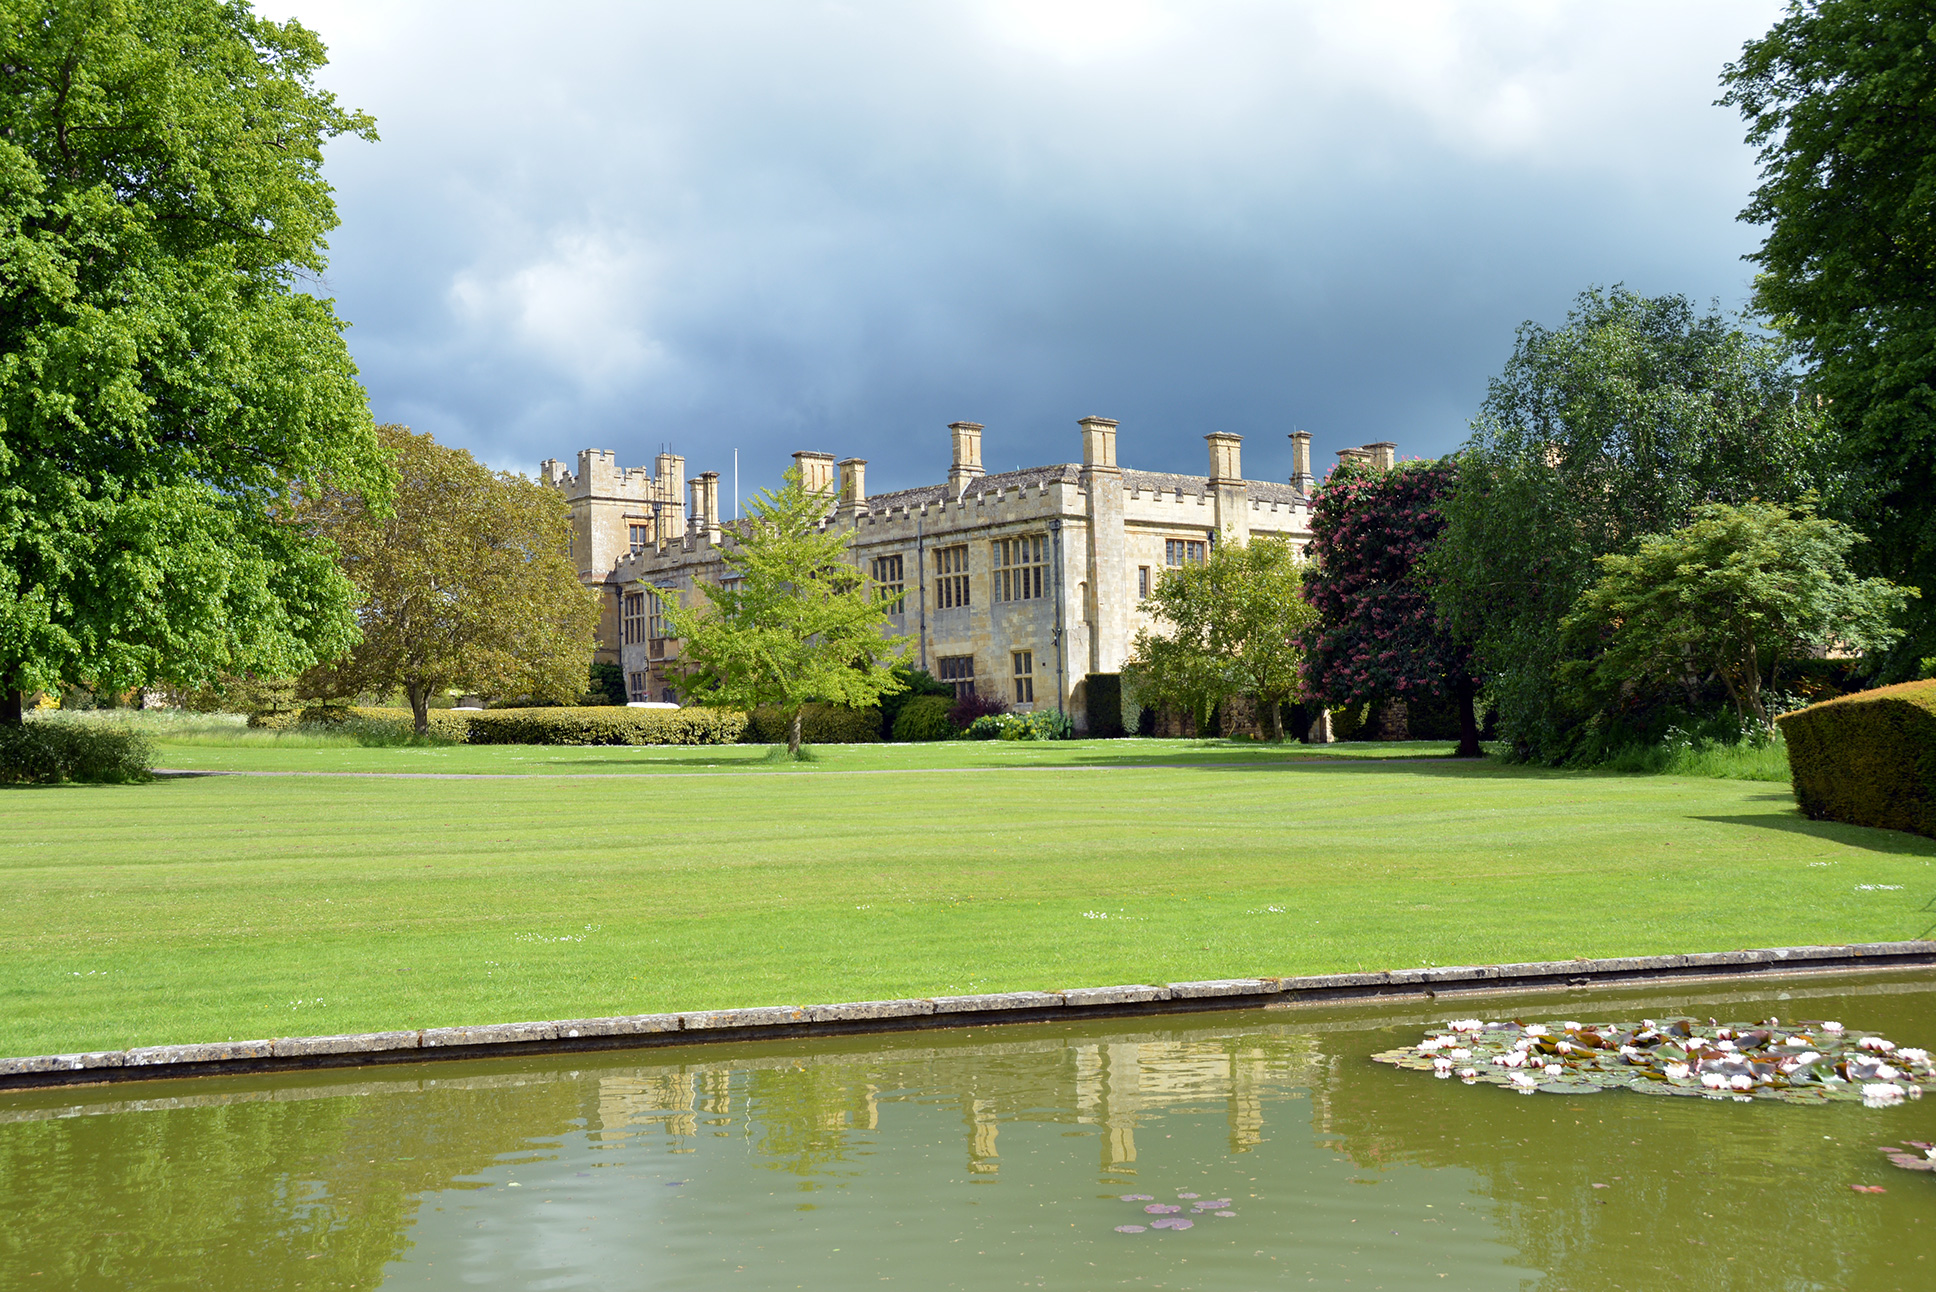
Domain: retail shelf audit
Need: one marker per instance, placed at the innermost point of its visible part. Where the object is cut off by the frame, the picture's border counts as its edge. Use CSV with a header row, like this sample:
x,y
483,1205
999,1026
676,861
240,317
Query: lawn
x,y
214,907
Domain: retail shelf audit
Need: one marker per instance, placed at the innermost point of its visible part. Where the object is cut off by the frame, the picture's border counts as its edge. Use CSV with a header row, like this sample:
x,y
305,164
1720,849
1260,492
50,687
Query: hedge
x,y
926,718
820,724
1867,758
40,752
585,725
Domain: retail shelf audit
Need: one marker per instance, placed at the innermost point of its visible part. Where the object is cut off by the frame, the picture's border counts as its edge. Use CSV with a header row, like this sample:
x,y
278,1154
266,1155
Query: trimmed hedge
x,y
48,753
926,718
1102,695
1867,758
820,724
586,725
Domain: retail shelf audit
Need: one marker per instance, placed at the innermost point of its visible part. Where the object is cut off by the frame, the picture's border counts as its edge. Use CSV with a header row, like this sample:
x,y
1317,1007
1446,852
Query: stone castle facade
x,y
1018,585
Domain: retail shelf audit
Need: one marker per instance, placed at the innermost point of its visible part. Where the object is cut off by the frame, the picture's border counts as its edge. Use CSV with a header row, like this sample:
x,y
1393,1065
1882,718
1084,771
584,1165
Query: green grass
x,y
233,907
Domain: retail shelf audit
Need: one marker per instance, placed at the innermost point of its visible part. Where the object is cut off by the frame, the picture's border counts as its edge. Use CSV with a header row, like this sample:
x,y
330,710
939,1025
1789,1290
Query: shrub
x,y
1102,695
1043,724
820,724
926,718
975,705
920,685
451,725
603,725
47,753
1867,758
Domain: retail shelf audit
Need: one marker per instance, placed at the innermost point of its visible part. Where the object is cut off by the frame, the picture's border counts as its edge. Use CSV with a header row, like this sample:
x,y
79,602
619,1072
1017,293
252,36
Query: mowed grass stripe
x,y
214,908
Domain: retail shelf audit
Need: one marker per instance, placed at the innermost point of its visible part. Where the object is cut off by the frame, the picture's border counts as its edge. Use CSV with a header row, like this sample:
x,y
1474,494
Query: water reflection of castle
x,y
802,1109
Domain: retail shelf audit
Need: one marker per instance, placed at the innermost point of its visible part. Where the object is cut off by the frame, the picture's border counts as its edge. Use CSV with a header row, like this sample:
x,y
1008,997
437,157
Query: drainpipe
x,y
921,562
1055,532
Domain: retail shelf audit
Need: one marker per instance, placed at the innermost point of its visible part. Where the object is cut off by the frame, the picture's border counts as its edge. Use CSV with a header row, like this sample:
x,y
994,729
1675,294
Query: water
x,y
989,1158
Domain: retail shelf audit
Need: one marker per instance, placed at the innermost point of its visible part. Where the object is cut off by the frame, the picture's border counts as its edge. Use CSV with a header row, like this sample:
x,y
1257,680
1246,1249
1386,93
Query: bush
x,y
41,752
608,684
1867,758
604,725
973,706
1043,724
820,724
1353,722
1102,695
920,685
926,718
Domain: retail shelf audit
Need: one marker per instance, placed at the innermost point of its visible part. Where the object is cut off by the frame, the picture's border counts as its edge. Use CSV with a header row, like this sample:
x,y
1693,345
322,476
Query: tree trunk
x,y
793,736
1468,720
1270,718
419,708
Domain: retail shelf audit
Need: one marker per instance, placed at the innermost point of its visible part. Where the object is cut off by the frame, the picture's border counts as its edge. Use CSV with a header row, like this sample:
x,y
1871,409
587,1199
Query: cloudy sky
x,y
840,226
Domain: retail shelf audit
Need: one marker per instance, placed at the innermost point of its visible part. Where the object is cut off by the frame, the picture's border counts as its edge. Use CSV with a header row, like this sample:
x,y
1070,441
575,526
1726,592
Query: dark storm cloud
x,y
781,226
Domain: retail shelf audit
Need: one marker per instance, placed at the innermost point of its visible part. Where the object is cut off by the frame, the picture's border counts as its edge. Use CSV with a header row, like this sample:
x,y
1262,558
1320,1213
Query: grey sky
x,y
840,226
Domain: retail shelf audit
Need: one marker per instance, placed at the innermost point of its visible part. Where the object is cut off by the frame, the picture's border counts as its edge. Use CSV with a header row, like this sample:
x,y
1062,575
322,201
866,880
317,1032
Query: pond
x,y
1024,1156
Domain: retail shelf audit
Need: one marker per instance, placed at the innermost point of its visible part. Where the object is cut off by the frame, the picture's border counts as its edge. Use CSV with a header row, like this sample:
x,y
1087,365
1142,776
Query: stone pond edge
x,y
774,1022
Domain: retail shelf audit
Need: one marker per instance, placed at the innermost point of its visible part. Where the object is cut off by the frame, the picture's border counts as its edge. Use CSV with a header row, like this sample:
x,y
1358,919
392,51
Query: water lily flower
x,y
1459,1054
1807,1057
1537,1029
1523,1044
1525,1082
1554,1070
1571,1027
1741,1082
1875,1043
1714,1081
1466,1025
1831,1027
1724,1044
1677,1071
1441,1067
1468,1075
1913,1056
1881,1094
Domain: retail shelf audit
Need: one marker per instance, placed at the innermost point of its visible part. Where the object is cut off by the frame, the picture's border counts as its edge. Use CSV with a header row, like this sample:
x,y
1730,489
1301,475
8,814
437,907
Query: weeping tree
x,y
796,622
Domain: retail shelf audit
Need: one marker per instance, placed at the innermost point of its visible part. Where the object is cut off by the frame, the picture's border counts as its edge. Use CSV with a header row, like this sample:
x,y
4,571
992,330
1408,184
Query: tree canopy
x,y
466,582
164,383
1597,433
1375,632
794,622
1840,96
1732,594
1234,624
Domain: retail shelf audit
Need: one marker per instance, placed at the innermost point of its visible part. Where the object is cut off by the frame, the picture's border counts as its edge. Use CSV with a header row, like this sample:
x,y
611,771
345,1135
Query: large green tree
x,y
164,379
1730,595
1611,427
1231,626
794,622
466,581
1841,98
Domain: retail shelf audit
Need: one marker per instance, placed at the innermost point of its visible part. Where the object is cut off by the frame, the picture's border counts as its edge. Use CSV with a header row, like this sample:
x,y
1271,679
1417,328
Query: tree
x,y
1840,96
1234,624
1614,426
1377,634
467,582
1733,593
798,623
164,385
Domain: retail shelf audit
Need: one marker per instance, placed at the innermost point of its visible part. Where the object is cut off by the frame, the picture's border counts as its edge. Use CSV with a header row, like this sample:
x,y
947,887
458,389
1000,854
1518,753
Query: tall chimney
x,y
1226,456
668,469
853,485
1384,455
705,505
1098,442
1301,478
816,471
967,459
1361,456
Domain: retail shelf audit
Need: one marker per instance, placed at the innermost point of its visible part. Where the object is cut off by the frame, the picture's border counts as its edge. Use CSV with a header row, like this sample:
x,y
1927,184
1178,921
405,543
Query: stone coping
x,y
774,1022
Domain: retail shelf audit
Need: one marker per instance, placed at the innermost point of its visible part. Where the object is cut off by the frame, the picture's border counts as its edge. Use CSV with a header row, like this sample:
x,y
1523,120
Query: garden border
x,y
777,1022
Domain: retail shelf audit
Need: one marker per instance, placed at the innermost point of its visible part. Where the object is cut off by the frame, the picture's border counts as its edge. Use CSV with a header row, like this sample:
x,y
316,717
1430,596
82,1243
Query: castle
x,y
1019,584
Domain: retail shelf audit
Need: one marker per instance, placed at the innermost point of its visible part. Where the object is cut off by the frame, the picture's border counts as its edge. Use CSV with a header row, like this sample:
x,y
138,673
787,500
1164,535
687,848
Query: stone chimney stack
x,y
853,485
1301,478
1226,456
1098,442
967,460
1360,456
704,489
816,471
668,469
1384,455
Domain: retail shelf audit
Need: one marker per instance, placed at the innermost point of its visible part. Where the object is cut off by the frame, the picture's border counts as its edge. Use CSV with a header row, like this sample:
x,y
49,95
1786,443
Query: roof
x,y
1071,473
